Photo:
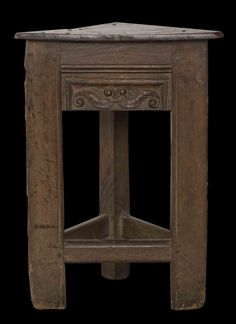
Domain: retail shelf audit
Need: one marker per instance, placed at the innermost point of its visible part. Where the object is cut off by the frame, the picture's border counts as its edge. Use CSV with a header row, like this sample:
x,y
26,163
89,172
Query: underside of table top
x,y
117,31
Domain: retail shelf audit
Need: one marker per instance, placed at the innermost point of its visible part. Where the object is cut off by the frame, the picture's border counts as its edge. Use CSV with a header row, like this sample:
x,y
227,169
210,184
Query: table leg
x,y
44,176
114,181
189,177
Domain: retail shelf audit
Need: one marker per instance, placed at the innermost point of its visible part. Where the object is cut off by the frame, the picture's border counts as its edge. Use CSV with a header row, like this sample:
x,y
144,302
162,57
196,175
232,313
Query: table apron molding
x,y
128,68
116,87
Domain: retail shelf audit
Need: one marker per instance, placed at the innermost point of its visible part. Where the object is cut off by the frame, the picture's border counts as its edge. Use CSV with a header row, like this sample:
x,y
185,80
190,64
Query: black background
x,y
145,295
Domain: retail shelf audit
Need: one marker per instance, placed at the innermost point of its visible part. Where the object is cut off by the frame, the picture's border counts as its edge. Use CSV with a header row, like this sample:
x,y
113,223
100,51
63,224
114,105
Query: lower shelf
x,y
97,251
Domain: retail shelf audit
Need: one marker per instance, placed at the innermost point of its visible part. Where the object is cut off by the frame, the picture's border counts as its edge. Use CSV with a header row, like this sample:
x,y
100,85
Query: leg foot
x,y
115,271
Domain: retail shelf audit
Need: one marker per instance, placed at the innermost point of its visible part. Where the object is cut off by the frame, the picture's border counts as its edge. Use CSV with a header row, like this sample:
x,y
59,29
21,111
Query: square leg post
x,y
114,181
189,176
44,176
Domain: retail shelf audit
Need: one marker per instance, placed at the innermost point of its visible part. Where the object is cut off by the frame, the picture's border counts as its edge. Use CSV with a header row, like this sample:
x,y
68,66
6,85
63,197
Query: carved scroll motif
x,y
122,97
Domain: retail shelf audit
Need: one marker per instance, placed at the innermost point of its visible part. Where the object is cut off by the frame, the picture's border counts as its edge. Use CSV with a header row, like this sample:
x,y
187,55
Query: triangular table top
x,y
120,32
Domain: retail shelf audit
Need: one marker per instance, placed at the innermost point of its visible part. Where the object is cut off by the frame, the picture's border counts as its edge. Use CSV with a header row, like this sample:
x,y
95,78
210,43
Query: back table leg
x,y
114,181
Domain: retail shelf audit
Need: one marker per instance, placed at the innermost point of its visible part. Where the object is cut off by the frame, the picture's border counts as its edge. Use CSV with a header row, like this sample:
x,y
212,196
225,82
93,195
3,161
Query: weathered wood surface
x,y
189,176
121,32
44,176
135,228
114,180
115,53
95,228
125,88
77,251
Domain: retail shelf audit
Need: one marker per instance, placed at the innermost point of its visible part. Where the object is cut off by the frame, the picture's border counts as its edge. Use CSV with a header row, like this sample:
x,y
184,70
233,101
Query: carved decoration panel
x,y
114,89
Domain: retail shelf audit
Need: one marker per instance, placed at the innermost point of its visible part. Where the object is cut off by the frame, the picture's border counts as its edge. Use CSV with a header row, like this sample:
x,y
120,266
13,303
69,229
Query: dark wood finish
x,y
124,88
44,176
117,53
117,32
95,228
114,180
77,251
135,228
116,68
189,176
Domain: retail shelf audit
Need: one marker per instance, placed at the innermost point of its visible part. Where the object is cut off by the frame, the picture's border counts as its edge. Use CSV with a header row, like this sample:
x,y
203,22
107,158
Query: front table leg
x,y
189,176
114,181
44,176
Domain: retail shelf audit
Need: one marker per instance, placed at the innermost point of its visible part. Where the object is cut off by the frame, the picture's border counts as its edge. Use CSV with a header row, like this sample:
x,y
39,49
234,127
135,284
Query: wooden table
x,y
115,68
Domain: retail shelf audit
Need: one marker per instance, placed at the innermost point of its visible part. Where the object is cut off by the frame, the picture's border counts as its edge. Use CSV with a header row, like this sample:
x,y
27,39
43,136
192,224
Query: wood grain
x,y
135,228
114,180
112,61
96,228
44,176
124,251
116,87
116,53
189,176
117,32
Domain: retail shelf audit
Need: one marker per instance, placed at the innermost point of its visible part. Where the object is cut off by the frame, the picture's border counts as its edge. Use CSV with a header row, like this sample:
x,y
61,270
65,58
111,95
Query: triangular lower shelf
x,y
133,228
